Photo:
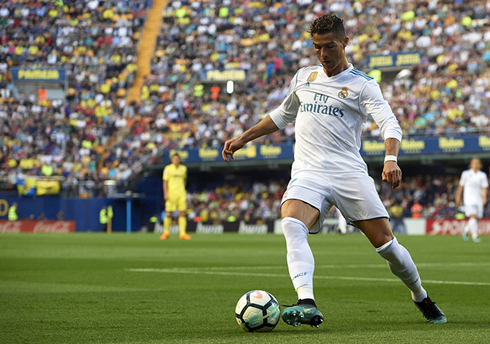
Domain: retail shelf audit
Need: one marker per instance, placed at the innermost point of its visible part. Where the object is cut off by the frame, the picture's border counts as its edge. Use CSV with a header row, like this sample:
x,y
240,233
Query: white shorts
x,y
354,194
473,209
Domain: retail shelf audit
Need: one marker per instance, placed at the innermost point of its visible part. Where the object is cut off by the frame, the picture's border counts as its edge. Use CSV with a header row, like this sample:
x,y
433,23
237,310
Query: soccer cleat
x,y
164,236
298,314
476,239
465,236
185,237
430,311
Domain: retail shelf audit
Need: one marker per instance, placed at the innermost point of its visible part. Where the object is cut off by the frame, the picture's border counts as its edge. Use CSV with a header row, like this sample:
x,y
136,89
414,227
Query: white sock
x,y
300,259
401,265
473,227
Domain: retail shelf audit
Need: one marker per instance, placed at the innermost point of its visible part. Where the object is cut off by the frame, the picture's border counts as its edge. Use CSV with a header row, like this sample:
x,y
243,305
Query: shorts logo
x,y
344,94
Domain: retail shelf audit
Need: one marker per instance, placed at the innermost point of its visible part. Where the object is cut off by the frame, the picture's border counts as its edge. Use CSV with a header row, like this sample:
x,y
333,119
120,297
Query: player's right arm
x,y
264,127
460,190
277,119
165,183
165,190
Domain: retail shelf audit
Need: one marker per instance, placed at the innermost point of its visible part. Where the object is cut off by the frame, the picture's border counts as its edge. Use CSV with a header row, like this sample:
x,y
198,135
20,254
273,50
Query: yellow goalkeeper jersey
x,y
175,177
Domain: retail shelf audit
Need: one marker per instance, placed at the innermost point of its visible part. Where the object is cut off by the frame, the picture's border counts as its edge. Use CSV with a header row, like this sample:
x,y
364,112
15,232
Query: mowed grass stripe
x,y
347,278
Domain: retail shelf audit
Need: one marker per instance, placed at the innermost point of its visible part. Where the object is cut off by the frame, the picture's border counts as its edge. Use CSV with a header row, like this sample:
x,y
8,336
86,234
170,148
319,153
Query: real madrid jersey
x,y
329,112
473,183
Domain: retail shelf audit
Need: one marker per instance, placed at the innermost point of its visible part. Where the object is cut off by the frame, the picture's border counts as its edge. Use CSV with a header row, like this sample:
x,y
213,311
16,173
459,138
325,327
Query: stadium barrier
x,y
37,226
413,227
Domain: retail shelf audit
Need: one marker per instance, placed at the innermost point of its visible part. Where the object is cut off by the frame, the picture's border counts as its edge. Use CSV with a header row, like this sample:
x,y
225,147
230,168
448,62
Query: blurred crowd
x,y
417,197
93,134
90,135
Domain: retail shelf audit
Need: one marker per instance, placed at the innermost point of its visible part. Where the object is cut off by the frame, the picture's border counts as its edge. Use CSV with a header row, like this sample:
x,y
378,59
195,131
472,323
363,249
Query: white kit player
x,y
342,224
329,103
473,185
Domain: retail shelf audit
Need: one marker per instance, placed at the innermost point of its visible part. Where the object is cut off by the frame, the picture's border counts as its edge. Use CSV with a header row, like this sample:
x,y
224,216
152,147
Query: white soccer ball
x,y
257,311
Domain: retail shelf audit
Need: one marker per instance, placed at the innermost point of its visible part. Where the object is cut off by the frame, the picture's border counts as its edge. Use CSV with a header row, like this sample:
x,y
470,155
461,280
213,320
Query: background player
x,y
328,104
474,183
175,195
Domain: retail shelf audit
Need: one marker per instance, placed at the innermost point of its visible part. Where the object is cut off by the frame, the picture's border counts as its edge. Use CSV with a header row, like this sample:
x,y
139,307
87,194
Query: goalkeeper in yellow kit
x,y
174,180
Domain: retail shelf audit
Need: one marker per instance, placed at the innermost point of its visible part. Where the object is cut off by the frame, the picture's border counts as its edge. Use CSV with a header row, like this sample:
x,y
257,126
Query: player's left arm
x,y
391,171
484,190
373,104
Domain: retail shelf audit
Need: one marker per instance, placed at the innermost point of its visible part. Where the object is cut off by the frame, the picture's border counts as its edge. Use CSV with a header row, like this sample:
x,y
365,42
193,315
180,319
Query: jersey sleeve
x,y
287,111
462,179
165,173
484,182
185,172
373,104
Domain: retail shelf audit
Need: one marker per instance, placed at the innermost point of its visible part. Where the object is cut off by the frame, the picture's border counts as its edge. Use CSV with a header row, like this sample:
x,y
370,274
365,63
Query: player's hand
x,y
231,146
392,173
165,197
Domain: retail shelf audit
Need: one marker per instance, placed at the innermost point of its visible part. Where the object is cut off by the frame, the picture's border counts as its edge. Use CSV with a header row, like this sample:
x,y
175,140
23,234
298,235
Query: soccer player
x,y
329,103
174,180
474,183
342,224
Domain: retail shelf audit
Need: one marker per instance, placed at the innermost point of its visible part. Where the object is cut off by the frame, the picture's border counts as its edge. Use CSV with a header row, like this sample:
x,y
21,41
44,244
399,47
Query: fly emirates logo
x,y
320,106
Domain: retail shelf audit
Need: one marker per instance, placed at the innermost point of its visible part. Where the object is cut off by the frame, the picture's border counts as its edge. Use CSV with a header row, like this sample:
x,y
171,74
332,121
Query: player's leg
x,y
342,222
297,218
359,201
182,205
167,221
473,227
400,262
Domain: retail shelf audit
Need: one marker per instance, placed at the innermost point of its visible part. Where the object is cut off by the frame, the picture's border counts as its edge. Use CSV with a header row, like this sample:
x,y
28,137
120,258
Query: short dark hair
x,y
326,24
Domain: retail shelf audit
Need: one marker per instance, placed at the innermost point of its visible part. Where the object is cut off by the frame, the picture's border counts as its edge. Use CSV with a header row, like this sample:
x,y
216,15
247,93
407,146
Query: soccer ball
x,y
257,311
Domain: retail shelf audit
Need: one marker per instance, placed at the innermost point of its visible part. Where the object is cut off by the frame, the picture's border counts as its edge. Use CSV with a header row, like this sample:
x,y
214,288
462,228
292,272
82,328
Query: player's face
x,y
176,160
475,164
331,52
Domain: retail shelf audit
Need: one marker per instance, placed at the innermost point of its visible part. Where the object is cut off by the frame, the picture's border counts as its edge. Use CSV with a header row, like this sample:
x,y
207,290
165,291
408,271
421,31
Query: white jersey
x,y
329,112
473,183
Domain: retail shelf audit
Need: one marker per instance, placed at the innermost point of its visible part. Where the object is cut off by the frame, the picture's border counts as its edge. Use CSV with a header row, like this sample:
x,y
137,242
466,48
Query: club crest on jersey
x,y
344,94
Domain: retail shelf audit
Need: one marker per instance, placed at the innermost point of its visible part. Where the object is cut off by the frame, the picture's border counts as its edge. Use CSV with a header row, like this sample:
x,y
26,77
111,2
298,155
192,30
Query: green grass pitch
x,y
120,288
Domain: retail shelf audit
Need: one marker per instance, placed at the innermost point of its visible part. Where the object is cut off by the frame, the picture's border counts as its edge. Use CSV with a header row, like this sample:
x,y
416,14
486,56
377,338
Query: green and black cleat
x,y
302,313
430,311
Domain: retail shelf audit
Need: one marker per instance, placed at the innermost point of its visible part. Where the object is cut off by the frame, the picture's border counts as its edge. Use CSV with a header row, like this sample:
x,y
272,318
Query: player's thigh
x,y
301,211
356,197
170,205
378,231
182,202
474,210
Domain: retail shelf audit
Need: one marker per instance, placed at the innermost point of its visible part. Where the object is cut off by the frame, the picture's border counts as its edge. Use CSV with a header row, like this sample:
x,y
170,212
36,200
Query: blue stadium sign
x,y
370,148
38,74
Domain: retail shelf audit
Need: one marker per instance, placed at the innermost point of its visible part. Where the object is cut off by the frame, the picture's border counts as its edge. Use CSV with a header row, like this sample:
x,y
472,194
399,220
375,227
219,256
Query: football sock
x,y
182,224
306,302
300,259
401,265
473,227
166,225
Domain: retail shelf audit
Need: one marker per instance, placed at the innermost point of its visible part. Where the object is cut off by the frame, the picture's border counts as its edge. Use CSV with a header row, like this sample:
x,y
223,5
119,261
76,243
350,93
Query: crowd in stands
x,y
417,197
93,134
